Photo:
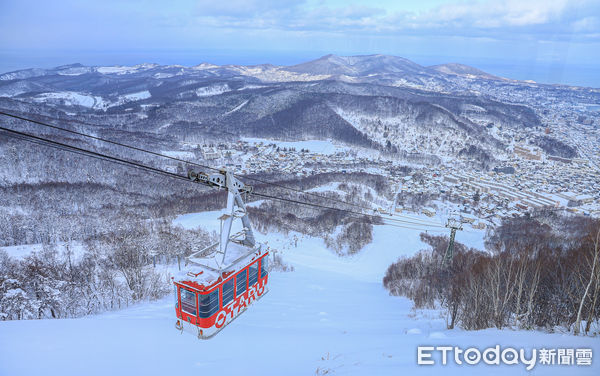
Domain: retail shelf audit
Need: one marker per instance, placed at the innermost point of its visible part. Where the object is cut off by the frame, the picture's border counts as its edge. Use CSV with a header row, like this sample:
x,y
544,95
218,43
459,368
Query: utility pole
x,y
453,224
395,202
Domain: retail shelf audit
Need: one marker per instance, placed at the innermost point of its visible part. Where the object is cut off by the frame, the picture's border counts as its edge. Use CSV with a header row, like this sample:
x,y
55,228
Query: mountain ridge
x,y
331,65
381,102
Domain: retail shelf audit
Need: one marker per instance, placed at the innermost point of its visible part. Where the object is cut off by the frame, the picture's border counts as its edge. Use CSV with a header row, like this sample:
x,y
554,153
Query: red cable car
x,y
225,278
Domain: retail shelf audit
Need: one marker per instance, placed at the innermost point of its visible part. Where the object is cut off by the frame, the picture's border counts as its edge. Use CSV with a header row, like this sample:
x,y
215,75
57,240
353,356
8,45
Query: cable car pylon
x,y
453,224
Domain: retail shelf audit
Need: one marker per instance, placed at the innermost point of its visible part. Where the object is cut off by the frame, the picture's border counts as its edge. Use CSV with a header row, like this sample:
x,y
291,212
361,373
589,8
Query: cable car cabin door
x,y
189,305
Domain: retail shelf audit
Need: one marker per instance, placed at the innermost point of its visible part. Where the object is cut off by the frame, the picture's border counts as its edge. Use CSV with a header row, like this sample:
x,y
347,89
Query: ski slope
x,y
330,316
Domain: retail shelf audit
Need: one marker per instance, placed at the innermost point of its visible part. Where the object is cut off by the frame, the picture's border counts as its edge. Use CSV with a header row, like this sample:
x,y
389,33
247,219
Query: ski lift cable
x,y
383,218
78,150
43,143
331,208
45,124
74,149
104,140
414,221
336,200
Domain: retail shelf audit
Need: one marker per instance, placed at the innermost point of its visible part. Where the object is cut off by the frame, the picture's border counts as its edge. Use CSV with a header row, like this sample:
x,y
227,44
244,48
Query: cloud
x,y
245,8
496,19
323,25
495,14
587,24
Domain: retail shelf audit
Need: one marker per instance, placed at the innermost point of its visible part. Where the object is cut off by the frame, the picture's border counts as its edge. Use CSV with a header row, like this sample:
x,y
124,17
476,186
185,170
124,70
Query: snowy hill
x,y
330,316
357,66
463,70
444,110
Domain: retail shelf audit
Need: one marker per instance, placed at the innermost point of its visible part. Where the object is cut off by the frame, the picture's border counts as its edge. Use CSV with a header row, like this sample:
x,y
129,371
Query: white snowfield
x,y
330,316
72,98
22,251
207,91
120,69
139,95
178,154
314,146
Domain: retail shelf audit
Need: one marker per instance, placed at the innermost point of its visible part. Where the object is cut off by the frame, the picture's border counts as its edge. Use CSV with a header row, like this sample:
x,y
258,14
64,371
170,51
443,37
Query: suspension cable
x,y
77,150
45,124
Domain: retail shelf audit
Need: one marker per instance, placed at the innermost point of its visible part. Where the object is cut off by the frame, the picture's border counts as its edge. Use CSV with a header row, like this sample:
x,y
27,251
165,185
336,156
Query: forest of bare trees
x,y
110,272
122,219
354,231
536,273
48,195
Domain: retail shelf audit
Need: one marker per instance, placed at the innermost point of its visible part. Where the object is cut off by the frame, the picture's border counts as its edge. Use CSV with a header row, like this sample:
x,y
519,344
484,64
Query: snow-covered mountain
x,y
358,66
463,70
383,102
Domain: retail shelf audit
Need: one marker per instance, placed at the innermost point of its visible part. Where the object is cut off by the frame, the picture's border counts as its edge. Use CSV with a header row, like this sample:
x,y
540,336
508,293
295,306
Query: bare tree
x,y
593,277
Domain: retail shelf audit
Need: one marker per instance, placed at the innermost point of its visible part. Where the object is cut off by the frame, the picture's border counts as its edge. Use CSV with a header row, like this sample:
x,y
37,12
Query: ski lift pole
x,y
453,224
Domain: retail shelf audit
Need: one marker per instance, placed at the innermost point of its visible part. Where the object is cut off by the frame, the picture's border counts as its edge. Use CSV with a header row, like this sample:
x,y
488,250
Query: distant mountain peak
x,y
463,70
74,65
360,65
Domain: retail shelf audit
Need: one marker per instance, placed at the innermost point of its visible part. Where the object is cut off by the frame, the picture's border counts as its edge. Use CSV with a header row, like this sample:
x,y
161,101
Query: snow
x,y
13,293
139,95
251,87
206,220
236,257
22,251
238,107
212,90
116,70
331,315
314,146
71,98
74,71
329,187
131,97
161,75
277,74
177,153
119,69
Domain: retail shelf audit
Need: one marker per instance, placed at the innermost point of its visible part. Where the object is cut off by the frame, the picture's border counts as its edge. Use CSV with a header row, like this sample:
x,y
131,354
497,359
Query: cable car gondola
x,y
225,278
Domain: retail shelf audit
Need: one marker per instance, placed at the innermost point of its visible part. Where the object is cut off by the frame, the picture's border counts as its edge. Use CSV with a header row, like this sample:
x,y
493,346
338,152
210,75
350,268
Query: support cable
x,y
416,221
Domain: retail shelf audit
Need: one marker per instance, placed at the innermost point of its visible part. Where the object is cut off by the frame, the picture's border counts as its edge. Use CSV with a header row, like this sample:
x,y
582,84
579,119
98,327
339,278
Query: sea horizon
x,y
544,72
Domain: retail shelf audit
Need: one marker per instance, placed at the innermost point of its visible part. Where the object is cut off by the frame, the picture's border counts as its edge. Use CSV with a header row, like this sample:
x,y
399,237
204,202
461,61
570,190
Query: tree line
x,y
536,273
342,232
111,271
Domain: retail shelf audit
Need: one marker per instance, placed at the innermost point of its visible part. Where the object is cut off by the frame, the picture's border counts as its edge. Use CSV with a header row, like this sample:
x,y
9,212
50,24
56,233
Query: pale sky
x,y
549,33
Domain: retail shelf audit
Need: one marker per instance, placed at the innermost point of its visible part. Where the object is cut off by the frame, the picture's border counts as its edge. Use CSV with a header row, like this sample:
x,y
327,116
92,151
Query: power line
x,y
105,140
337,200
77,150
70,148
18,137
414,221
85,152
329,207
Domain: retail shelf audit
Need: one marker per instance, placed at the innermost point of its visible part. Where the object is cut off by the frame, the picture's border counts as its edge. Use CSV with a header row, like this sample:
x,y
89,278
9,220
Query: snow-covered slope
x,y
331,315
70,98
207,91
